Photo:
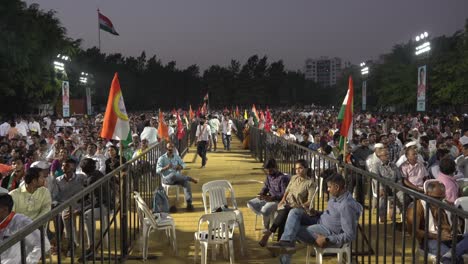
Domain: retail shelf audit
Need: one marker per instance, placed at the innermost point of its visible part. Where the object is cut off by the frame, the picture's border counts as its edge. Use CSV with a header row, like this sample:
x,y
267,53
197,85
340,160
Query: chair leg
x,y
146,233
204,253
348,255
340,257
195,254
231,251
308,255
177,193
174,240
319,257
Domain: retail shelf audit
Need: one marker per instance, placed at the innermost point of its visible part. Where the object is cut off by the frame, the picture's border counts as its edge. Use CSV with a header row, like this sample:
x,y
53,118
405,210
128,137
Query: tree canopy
x,y
31,39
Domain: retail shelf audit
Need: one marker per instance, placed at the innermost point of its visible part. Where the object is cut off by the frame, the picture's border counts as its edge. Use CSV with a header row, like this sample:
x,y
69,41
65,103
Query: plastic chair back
x,y
216,191
218,227
462,202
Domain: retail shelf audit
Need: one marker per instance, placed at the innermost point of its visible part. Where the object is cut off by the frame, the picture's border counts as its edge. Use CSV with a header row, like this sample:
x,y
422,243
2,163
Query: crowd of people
x,y
406,149
45,161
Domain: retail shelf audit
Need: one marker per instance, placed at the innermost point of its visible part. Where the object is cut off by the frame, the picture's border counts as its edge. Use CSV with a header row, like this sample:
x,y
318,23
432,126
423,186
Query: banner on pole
x,y
364,95
88,101
65,99
421,93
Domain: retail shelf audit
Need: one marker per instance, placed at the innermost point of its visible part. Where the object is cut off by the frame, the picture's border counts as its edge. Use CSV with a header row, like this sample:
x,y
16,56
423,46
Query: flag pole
x,y
345,146
99,31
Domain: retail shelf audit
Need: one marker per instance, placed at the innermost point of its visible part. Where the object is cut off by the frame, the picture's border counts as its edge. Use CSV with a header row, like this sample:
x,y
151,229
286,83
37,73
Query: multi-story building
x,y
324,71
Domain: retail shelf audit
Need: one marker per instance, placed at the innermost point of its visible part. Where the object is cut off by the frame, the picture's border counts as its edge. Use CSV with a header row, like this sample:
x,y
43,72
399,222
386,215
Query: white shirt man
x,y
22,127
4,128
34,126
227,126
11,223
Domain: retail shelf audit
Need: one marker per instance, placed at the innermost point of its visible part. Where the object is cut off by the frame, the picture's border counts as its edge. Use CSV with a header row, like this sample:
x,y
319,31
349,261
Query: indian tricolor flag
x,y
346,115
105,24
116,124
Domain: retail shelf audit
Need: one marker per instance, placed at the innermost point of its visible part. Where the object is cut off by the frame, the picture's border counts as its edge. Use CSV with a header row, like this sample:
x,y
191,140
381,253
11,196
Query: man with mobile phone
x,y
272,192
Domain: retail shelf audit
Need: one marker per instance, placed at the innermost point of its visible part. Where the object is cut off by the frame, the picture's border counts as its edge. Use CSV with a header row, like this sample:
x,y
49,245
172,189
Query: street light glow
x,y
417,38
423,50
425,34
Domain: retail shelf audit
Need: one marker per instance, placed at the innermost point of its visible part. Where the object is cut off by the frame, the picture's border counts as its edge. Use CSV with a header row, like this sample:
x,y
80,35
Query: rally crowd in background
x,y
45,161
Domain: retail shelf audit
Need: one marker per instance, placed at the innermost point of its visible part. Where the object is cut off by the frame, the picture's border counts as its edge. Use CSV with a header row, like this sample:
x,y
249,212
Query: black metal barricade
x,y
105,232
379,240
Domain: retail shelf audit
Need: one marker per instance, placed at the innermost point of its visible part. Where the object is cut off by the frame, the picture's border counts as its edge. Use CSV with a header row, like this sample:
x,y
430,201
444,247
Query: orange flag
x,y
162,127
116,124
191,114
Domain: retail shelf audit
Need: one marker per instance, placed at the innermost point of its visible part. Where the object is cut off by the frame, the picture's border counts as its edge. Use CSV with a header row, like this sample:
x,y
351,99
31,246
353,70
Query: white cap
x,y
41,165
379,145
410,144
393,131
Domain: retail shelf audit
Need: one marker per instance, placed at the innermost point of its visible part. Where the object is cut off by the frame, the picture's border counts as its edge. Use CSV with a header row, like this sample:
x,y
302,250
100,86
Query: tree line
x,y
31,39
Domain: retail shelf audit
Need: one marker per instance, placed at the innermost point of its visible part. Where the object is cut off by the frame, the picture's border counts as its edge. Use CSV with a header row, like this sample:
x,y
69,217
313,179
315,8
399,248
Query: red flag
x,y
180,128
237,112
268,121
163,130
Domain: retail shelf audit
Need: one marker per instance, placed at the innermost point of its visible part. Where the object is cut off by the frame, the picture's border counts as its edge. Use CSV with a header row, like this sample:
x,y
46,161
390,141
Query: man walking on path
x,y
227,126
203,139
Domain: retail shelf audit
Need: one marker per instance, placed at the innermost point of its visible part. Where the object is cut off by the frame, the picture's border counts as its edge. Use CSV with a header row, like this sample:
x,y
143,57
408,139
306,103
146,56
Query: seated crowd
x,y
43,163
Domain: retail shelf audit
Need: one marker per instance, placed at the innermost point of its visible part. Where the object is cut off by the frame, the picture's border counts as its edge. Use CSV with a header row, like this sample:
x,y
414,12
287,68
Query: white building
x,y
324,71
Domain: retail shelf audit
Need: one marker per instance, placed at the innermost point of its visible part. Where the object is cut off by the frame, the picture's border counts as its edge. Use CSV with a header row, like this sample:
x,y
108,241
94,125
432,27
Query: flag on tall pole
x,y
106,24
116,124
346,115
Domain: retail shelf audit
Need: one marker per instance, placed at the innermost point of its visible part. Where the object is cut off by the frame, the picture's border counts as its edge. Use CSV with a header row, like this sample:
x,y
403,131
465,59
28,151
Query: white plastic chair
x,y
168,187
463,203
149,222
216,190
426,183
219,232
319,252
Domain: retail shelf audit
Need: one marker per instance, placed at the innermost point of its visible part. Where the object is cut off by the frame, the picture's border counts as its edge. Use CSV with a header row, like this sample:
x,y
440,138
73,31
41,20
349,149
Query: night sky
x,y
207,32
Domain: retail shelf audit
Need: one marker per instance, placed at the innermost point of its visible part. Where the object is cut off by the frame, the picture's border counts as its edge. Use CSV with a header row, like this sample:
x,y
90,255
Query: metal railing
x,y
388,240
110,224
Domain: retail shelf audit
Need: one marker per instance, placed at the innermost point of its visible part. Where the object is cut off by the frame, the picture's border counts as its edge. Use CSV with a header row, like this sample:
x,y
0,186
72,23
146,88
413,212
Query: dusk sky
x,y
207,32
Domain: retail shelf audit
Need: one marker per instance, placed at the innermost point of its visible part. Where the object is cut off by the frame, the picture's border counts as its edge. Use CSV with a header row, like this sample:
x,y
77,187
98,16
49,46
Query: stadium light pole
x,y
84,81
423,46
364,73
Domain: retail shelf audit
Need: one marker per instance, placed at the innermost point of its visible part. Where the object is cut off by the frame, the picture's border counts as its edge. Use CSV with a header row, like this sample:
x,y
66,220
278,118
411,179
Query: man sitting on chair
x,y
332,228
436,190
272,192
170,166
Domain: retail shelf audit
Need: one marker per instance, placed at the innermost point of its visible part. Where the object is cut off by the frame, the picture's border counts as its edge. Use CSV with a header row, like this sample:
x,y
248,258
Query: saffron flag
x,y
105,24
237,112
116,124
163,131
191,113
346,115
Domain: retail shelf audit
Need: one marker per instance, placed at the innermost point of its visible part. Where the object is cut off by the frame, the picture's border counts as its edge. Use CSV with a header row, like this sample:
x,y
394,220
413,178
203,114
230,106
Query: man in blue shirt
x,y
170,166
332,228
